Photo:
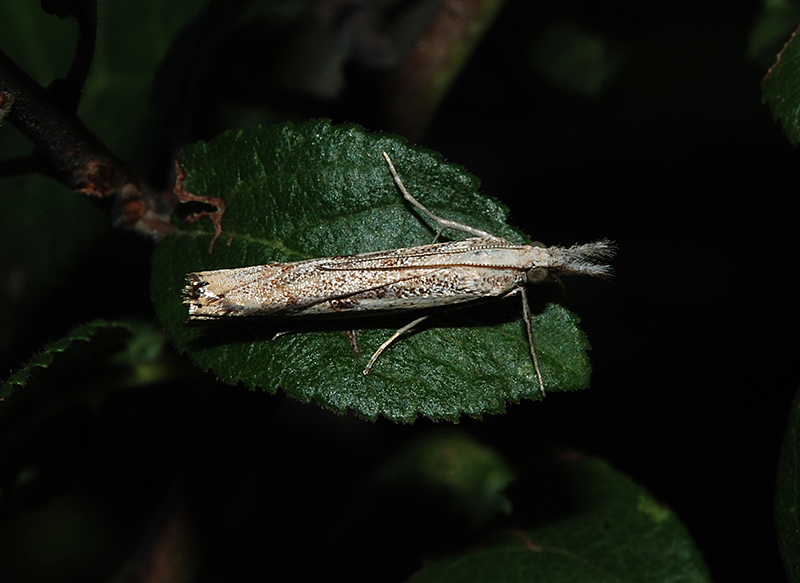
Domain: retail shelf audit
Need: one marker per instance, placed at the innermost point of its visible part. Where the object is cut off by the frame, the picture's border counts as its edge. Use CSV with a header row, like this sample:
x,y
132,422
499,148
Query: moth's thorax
x,y
536,255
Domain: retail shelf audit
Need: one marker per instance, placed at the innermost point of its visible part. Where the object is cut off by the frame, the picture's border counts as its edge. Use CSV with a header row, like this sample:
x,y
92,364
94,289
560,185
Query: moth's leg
x,y
442,222
391,339
352,336
297,328
526,315
283,333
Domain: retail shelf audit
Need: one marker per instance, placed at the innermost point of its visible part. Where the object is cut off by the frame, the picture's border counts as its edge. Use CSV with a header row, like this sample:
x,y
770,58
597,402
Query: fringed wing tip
x,y
194,293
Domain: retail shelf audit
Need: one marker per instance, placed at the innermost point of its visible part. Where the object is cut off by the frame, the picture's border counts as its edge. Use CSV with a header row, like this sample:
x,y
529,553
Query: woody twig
x,y
64,148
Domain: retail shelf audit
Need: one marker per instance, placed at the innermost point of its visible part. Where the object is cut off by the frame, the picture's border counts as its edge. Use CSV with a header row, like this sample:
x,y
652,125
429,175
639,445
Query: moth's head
x,y
537,273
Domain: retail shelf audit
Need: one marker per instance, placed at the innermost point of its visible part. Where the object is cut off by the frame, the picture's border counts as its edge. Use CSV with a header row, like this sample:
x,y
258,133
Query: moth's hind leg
x,y
391,339
526,315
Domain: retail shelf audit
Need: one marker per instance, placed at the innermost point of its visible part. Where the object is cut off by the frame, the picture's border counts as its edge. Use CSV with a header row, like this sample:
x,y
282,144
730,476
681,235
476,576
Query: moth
x,y
413,278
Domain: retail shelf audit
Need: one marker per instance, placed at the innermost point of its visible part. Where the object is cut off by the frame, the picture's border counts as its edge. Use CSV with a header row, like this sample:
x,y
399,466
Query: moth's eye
x,y
536,274
537,244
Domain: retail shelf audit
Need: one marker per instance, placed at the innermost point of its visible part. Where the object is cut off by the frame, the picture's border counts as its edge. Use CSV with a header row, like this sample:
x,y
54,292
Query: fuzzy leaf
x,y
317,190
617,532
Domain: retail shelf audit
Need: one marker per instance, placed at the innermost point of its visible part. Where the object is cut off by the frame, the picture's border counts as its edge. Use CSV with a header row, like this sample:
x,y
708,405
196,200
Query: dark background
x,y
678,161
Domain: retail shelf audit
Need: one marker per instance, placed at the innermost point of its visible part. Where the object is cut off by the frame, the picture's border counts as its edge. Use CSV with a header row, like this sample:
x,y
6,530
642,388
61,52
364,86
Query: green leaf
x,y
781,89
36,41
137,44
316,190
454,470
777,20
787,496
616,532
575,60
84,352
